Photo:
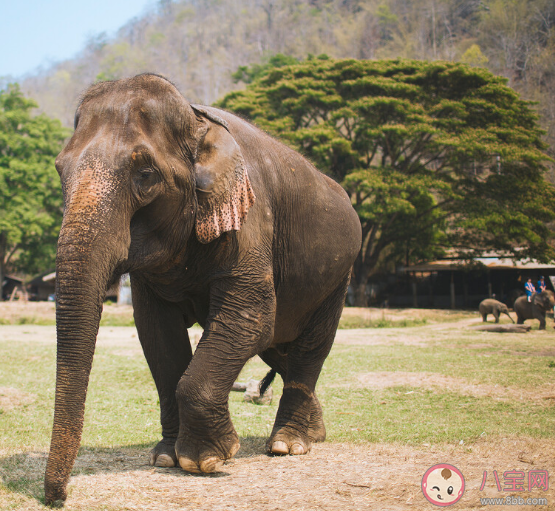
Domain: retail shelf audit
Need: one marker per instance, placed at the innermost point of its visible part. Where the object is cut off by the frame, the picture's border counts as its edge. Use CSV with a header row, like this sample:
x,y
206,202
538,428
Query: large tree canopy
x,y
434,155
30,192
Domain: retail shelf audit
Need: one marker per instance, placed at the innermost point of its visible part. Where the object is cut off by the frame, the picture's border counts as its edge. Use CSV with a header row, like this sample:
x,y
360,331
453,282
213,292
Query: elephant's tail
x,y
266,381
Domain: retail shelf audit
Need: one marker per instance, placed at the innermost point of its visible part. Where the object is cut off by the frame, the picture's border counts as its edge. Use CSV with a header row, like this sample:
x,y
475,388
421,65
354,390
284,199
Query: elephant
x,y
217,223
535,309
495,307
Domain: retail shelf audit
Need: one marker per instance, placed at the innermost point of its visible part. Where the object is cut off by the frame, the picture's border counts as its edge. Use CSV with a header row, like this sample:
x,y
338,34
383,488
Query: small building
x,y
460,284
43,287
12,286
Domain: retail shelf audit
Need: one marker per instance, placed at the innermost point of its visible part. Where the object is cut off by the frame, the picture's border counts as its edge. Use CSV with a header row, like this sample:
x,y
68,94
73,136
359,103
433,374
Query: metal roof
x,y
492,263
49,277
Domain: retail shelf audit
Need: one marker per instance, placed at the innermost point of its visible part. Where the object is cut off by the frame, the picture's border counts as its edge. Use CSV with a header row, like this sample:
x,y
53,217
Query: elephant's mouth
x,y
120,270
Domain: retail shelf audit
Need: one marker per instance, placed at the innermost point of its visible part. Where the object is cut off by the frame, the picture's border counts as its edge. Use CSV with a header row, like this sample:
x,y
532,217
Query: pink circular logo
x,y
443,485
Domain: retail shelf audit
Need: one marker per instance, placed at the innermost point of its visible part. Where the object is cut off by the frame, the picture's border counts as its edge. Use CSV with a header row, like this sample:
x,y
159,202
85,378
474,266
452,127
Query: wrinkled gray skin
x,y
495,307
536,309
145,177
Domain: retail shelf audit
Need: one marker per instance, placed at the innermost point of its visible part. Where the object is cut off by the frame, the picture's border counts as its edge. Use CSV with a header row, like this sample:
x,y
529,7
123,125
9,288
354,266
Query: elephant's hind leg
x,y
299,420
276,358
317,428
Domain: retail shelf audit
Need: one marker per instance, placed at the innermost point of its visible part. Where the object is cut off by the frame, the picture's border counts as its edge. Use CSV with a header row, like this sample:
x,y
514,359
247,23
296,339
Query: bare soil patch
x,y
439,382
331,477
14,311
380,336
10,398
413,336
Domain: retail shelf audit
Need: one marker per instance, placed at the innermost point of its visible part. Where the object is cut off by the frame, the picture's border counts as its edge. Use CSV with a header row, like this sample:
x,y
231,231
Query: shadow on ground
x,y
24,473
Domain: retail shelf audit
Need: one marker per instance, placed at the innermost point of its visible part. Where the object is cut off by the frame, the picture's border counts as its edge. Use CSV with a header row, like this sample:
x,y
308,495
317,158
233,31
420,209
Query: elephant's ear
x,y
539,300
223,188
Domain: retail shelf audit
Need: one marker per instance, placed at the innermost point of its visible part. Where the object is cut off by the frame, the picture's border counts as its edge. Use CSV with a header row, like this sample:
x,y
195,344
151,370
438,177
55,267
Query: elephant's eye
x,y
145,181
146,173
146,177
450,490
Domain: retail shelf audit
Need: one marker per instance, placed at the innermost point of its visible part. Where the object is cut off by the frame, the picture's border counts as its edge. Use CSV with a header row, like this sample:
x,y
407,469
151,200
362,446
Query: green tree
x,y
30,192
434,155
247,74
474,56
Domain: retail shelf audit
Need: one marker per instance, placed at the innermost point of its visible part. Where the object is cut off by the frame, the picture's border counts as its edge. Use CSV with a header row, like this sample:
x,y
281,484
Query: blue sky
x,y
37,33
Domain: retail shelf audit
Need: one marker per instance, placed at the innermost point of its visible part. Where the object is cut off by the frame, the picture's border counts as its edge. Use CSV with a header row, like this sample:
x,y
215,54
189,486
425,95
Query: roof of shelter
x,y
492,263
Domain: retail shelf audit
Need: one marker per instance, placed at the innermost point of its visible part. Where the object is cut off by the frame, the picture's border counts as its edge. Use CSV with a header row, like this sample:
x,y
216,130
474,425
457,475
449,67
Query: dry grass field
x,y
397,400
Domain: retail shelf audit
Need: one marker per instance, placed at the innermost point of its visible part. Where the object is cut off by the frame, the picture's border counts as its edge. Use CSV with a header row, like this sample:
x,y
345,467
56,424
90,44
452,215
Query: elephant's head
x,y
143,173
544,300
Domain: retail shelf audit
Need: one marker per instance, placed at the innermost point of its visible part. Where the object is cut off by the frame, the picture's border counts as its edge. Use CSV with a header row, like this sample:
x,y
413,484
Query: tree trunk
x,y
361,300
2,257
359,283
3,248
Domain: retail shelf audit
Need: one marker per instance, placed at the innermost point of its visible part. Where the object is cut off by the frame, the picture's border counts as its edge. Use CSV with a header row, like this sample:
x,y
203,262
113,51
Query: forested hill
x,y
198,44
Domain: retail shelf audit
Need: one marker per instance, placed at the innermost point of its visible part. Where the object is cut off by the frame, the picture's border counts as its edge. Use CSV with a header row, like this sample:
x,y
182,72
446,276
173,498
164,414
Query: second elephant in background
x,y
536,308
495,307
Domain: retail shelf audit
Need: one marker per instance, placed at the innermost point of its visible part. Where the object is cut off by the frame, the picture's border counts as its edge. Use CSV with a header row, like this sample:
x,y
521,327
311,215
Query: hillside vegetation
x,y
199,44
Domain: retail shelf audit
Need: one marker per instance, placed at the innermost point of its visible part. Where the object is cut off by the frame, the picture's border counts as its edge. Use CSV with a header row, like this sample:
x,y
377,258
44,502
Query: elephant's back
x,y
316,233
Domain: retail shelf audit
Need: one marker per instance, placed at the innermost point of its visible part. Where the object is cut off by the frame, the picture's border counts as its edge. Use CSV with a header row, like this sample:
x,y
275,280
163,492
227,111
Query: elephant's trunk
x,y
510,317
86,260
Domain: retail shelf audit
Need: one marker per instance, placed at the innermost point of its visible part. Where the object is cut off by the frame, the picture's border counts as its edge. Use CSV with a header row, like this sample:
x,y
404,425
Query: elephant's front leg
x,y
240,323
541,318
165,342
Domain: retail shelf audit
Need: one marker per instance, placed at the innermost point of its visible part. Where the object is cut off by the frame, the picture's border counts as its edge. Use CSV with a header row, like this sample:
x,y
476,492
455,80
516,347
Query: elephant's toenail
x,y
234,449
297,449
211,464
189,465
279,447
164,461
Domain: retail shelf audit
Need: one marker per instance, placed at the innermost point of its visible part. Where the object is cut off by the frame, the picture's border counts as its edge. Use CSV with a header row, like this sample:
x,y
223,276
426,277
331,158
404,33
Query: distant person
x,y
530,289
541,285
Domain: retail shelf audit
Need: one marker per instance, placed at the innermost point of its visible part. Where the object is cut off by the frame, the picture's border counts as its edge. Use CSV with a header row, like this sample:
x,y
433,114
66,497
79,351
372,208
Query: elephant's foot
x,y
298,422
317,433
288,441
316,428
203,455
163,455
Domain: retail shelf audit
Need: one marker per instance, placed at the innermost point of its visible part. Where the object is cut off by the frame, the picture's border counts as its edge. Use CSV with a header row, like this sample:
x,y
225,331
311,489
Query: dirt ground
x,y
333,476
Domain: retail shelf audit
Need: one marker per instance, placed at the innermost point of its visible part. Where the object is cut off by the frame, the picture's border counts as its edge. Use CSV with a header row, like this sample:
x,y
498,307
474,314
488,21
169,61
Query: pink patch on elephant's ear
x,y
226,213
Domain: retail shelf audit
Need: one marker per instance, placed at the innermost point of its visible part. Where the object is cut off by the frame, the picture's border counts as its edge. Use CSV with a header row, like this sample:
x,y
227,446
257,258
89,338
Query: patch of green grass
x,y
27,320
36,314
358,322
122,403
123,411
412,415
114,320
